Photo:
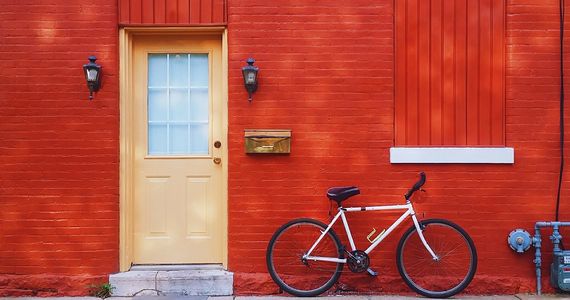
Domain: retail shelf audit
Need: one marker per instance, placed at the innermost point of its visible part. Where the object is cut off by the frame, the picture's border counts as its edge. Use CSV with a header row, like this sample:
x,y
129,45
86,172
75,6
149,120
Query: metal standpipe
x,y
556,238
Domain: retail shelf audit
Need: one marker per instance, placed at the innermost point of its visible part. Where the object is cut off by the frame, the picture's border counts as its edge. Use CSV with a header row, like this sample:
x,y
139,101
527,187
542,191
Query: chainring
x,y
358,261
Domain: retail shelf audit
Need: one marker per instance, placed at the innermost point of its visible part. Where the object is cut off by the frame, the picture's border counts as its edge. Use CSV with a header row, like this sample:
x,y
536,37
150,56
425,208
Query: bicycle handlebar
x,y
416,186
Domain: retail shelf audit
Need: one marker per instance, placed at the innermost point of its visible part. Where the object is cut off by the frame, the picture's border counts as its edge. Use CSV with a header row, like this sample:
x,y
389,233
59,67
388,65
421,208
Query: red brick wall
x,y
327,73
58,150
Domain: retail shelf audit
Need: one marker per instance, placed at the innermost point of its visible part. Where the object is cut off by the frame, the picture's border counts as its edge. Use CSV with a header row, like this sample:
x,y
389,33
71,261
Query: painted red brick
x,y
327,72
58,150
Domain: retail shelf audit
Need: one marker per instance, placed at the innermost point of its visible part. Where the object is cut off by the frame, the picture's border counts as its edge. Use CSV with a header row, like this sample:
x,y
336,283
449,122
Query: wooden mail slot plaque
x,y
268,141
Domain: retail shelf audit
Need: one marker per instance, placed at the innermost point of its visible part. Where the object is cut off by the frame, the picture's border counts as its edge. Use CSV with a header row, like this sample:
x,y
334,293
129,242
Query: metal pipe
x,y
555,238
550,224
537,259
537,240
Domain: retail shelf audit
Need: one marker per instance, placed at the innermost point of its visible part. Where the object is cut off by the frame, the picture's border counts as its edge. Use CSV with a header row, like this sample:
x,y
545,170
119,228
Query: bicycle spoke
x,y
286,264
436,278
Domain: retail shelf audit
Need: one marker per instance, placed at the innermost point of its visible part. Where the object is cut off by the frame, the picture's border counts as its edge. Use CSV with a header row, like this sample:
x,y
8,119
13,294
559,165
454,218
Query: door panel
x,y
178,189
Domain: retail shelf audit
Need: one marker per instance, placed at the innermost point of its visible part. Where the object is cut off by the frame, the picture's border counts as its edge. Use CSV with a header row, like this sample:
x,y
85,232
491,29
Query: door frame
x,y
126,207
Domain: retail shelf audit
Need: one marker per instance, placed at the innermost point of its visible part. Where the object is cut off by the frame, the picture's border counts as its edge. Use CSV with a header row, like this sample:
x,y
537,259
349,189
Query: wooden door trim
x,y
126,36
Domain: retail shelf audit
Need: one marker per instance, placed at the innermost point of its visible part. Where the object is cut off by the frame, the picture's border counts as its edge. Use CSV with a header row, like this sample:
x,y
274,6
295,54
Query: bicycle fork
x,y
419,229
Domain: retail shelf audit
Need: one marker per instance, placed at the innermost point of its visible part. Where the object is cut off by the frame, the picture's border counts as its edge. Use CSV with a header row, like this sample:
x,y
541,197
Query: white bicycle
x,y
436,258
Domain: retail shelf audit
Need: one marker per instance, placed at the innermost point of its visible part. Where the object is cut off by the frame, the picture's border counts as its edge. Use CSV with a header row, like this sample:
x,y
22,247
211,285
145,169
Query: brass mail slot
x,y
267,141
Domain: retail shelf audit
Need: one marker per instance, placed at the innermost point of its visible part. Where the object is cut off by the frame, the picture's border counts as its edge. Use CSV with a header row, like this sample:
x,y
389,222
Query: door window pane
x,y
178,104
199,102
178,70
199,139
157,139
199,70
157,105
179,139
157,63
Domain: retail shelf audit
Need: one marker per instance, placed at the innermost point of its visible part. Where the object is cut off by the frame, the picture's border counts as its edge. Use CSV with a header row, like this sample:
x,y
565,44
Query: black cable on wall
x,y
562,13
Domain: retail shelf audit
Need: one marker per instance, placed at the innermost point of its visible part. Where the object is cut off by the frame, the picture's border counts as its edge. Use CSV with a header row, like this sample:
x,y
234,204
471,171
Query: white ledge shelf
x,y
451,155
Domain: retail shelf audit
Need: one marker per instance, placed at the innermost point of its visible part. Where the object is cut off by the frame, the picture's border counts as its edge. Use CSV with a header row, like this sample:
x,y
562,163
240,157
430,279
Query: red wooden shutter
x,y
172,12
449,82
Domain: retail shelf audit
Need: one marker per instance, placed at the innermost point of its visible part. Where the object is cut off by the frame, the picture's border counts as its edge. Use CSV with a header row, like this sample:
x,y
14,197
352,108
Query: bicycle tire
x,y
453,271
284,258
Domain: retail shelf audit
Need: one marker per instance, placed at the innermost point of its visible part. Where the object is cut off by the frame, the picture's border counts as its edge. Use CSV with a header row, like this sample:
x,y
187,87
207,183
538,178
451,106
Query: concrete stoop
x,y
173,281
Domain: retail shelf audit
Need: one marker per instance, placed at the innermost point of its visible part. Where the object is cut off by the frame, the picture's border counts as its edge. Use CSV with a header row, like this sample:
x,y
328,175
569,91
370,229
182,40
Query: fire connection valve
x,y
519,240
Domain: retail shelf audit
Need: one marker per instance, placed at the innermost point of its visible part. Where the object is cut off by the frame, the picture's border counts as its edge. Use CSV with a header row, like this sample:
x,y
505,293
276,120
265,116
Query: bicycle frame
x,y
409,211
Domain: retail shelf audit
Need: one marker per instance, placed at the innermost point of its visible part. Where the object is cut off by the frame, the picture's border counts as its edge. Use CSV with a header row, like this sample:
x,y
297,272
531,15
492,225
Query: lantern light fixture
x,y
250,77
92,75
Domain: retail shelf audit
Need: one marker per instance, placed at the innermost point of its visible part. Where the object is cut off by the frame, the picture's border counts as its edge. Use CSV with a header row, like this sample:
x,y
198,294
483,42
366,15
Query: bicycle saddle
x,y
340,194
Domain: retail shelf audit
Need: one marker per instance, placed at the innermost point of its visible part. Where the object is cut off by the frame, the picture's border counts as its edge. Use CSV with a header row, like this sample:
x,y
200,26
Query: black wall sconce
x,y
92,76
250,77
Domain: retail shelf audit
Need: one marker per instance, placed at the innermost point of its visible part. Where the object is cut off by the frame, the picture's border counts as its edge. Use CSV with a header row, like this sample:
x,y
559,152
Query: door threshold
x,y
176,267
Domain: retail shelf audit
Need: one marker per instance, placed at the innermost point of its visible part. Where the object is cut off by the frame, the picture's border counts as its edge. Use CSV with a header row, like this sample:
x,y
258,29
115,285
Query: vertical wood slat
x,y
461,99
195,11
124,8
412,71
435,80
218,10
136,12
183,11
206,11
485,73
498,80
147,11
472,72
400,75
461,73
424,73
172,12
159,11
448,111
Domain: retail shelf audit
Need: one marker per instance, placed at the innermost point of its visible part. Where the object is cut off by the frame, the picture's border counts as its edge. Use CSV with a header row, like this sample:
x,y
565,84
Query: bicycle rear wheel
x,y
285,261
441,278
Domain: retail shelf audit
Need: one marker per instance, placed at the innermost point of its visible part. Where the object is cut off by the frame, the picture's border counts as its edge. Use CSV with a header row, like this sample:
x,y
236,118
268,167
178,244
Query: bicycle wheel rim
x,y
290,272
442,278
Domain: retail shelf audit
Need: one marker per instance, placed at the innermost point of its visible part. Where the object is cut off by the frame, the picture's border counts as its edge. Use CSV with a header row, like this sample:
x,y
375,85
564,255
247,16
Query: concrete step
x,y
190,280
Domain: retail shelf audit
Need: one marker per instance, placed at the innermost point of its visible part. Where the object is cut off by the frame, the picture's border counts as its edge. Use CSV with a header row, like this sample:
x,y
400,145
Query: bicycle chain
x,y
307,263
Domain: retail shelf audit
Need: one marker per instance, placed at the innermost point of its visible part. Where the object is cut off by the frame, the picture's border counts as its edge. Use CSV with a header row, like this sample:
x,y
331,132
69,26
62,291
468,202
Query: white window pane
x,y
157,70
199,69
157,139
199,139
178,70
199,100
178,139
178,105
157,105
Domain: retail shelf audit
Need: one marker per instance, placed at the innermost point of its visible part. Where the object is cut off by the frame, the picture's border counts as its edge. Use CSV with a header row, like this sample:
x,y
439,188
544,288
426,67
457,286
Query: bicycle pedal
x,y
372,272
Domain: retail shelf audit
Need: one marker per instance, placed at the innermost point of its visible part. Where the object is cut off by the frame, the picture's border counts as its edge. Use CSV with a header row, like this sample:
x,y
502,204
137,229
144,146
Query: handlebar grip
x,y
417,185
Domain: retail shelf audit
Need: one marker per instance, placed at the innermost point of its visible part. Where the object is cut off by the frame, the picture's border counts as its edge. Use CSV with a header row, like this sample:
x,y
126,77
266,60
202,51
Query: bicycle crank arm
x,y
372,272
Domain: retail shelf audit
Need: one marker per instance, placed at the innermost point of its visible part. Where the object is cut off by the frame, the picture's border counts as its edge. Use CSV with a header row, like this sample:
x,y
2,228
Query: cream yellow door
x,y
178,150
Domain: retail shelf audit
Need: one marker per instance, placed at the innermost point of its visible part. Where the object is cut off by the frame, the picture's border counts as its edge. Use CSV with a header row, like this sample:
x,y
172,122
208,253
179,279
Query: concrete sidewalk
x,y
338,297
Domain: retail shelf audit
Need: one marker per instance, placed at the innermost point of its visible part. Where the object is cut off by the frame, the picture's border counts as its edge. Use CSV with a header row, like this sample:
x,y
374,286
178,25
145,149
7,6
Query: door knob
x,y
217,160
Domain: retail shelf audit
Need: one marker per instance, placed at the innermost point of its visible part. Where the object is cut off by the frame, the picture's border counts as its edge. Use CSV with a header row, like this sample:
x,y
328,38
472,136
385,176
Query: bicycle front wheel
x,y
445,276
291,271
